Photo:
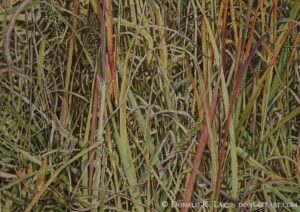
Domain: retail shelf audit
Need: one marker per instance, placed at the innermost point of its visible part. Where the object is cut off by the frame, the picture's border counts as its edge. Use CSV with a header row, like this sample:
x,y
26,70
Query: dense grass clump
x,y
149,105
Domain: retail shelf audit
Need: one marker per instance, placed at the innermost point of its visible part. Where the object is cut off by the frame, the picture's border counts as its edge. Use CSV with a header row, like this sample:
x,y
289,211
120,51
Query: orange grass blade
x,y
113,89
240,75
40,180
25,182
68,72
224,36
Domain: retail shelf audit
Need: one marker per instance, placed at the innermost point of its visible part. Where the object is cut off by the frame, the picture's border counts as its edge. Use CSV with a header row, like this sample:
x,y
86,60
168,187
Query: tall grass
x,y
137,105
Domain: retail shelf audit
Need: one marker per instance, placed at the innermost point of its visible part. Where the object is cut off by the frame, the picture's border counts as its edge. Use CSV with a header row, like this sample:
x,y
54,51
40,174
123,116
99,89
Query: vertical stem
x,y
68,72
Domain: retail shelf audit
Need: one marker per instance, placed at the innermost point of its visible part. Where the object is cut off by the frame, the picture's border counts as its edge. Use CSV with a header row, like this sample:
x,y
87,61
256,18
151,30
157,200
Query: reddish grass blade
x,y
224,36
208,182
240,75
113,90
100,79
200,149
273,61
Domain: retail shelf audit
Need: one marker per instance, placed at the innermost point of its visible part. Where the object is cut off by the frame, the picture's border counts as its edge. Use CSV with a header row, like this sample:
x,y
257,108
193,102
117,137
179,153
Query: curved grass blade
x,y
240,75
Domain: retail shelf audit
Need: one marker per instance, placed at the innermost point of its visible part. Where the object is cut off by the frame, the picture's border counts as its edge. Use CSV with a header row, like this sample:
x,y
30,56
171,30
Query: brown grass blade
x,y
113,88
99,81
40,180
68,72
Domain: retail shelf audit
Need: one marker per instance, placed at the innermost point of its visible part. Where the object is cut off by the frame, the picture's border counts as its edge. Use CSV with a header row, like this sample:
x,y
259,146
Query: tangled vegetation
x,y
149,105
